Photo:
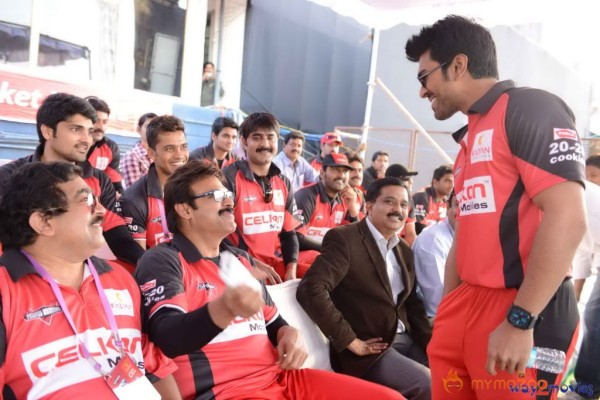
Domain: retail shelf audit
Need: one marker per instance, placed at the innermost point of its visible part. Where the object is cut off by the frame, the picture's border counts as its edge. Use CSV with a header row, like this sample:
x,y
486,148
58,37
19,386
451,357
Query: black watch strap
x,y
521,318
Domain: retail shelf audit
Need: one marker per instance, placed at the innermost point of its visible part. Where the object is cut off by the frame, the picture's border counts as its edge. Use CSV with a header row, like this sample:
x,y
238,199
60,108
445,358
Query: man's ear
x,y
183,210
151,154
244,143
459,66
41,223
368,207
47,132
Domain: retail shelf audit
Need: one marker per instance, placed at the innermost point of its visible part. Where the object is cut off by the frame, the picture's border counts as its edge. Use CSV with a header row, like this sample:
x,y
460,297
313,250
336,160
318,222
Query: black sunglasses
x,y
423,77
267,189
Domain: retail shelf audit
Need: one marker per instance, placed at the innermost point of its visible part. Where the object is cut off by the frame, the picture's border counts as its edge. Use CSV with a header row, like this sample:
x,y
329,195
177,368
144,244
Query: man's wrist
x,y
520,318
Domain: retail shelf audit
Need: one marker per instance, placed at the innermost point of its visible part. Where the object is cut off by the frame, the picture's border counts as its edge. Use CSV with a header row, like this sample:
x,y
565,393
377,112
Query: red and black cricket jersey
x,y
208,153
96,179
320,213
427,210
113,226
104,155
259,223
141,211
40,356
520,141
238,360
317,162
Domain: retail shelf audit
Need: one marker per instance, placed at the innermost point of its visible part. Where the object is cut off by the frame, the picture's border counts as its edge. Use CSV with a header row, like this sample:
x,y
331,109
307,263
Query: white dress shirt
x,y
431,250
587,255
297,172
391,263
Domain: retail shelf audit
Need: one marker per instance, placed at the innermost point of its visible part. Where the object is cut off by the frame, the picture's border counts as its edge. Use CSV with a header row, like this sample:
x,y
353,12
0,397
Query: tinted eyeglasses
x,y
423,77
90,200
218,195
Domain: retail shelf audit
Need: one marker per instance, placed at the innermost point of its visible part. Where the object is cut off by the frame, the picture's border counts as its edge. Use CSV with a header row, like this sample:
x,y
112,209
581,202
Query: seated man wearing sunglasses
x,y
265,207
223,331
71,323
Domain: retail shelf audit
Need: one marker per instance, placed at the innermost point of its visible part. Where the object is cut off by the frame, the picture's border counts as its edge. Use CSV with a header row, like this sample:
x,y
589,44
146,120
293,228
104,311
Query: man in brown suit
x,y
361,292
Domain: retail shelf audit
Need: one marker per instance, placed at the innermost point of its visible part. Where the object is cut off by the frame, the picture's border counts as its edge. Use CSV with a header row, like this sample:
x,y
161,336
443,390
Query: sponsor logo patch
x,y
148,285
120,302
562,133
264,221
278,199
482,147
206,286
477,196
44,314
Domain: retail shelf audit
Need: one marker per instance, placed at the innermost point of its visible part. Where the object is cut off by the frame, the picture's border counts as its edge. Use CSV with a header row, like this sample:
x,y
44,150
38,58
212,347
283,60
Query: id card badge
x,y
127,381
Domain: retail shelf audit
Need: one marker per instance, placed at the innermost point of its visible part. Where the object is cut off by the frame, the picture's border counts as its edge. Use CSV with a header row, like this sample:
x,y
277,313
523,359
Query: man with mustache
x,y
265,208
64,126
207,312
329,202
104,153
291,163
355,181
69,320
142,204
361,292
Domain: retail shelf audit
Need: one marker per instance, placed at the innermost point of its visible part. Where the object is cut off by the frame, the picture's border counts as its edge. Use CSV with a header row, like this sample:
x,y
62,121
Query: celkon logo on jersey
x,y
53,356
561,133
482,147
316,234
242,327
477,196
261,222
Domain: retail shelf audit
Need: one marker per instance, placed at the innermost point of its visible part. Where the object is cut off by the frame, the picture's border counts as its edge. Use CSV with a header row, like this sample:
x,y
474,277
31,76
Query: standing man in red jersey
x,y
104,153
507,284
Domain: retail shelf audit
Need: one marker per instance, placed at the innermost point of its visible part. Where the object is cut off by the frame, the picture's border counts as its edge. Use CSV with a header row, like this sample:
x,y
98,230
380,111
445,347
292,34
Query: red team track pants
x,y
458,350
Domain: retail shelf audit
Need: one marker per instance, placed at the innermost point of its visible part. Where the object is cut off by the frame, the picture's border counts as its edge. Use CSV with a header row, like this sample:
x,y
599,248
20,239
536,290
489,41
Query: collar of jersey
x,y
249,175
153,184
18,265
486,102
85,166
323,196
190,252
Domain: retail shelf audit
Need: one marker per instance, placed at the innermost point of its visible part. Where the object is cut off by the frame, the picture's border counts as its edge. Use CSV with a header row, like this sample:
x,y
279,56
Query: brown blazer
x,y
347,293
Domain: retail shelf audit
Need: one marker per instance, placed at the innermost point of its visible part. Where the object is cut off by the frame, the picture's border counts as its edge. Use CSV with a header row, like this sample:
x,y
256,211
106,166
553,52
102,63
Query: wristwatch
x,y
521,318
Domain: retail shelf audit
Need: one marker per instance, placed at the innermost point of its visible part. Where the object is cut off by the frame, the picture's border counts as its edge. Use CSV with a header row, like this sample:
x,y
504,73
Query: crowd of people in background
x,y
412,288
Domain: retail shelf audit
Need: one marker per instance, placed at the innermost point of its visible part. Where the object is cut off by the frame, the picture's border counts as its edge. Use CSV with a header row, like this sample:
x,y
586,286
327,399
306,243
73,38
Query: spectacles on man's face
x,y
218,195
423,77
90,200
